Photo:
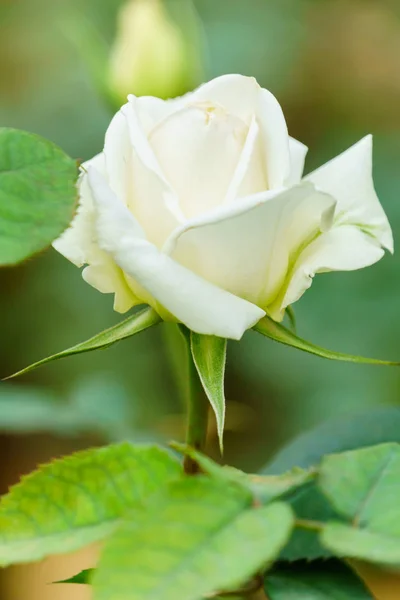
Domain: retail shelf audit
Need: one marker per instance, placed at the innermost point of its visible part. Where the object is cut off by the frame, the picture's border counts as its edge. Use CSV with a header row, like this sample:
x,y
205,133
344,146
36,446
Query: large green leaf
x,y
197,537
375,426
130,326
308,503
364,487
363,544
307,450
77,500
263,488
277,332
209,355
37,194
319,580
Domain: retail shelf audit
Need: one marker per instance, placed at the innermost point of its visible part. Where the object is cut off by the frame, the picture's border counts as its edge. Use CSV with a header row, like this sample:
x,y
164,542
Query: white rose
x,y
196,206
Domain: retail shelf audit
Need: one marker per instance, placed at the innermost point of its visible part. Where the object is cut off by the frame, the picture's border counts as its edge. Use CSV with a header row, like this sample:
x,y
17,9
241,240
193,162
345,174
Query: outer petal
x,y
275,138
298,153
79,246
136,178
201,306
348,177
245,247
344,248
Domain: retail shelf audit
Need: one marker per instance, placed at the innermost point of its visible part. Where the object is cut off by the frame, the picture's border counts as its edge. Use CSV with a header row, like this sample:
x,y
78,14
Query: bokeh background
x,y
335,67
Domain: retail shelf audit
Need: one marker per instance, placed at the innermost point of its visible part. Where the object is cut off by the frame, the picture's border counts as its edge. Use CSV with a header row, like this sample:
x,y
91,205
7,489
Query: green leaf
x,y
84,577
279,333
353,431
319,580
364,486
263,488
198,537
80,499
37,194
308,503
209,355
307,450
350,542
130,326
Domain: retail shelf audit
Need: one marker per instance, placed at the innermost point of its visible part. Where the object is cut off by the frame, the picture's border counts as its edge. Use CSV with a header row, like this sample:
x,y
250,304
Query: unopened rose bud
x,y
153,54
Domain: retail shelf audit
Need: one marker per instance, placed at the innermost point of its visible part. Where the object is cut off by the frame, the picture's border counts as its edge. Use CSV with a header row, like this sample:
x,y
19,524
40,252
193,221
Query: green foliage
x,y
37,194
319,580
349,542
279,333
308,503
209,355
135,324
86,409
198,536
263,488
77,500
354,431
350,432
364,486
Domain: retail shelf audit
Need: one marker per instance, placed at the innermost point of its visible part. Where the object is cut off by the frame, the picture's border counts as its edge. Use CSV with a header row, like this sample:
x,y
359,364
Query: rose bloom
x,y
197,207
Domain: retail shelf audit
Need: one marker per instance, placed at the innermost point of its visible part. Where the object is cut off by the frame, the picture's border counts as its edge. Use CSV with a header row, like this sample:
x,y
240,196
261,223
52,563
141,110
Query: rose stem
x,y
197,415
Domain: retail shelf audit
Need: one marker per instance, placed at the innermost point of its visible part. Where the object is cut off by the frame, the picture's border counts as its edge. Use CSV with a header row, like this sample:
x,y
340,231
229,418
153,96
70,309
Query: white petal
x,y
249,176
275,138
348,177
344,248
236,93
201,306
78,244
245,247
298,153
136,178
198,149
151,110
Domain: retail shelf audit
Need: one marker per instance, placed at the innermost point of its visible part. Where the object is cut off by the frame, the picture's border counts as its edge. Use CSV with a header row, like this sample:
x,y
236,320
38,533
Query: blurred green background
x,y
335,67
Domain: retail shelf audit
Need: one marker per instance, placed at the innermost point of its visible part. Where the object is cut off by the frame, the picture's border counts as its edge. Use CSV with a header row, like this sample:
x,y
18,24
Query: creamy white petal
x,y
136,178
343,248
245,247
298,153
201,306
236,93
151,110
198,149
78,244
348,177
275,138
249,176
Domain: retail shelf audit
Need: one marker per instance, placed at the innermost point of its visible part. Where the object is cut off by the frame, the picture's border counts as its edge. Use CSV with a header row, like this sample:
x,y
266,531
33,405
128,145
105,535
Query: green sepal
x,y
82,578
279,333
209,356
132,325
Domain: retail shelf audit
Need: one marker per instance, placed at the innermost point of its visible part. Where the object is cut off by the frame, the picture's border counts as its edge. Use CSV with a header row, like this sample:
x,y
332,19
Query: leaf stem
x,y
197,415
309,524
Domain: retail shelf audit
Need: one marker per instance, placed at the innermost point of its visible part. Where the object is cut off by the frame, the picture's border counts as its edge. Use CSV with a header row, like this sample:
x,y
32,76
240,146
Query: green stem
x,y
197,410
